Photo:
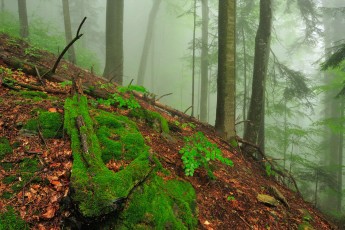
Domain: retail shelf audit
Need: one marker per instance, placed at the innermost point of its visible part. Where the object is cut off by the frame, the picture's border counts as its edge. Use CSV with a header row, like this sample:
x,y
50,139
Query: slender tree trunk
x,y
226,106
68,30
114,41
193,64
334,109
256,111
245,93
148,41
23,19
204,63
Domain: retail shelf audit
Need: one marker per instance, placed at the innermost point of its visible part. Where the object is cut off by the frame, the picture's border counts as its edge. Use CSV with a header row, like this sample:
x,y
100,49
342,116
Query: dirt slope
x,y
35,190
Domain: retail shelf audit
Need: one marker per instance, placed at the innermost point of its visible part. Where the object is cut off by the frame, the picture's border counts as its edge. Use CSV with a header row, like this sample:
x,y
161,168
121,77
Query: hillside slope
x,y
37,185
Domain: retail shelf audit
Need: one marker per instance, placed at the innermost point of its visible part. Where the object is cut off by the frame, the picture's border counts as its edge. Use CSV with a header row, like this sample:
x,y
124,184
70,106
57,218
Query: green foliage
x,y
198,151
138,88
269,170
10,220
230,198
65,83
121,102
5,147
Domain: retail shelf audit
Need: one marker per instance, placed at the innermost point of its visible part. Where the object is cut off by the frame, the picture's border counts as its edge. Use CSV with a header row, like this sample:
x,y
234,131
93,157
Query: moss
x,y
11,220
152,118
9,179
118,136
29,165
50,124
6,166
161,205
5,147
97,189
33,94
6,195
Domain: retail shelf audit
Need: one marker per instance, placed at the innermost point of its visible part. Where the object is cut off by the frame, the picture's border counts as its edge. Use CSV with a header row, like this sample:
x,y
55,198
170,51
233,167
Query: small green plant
x,y
65,83
269,170
231,198
120,101
198,151
32,51
130,88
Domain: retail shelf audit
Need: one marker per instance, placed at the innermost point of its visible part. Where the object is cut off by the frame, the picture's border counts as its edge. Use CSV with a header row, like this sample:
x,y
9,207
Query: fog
x,y
293,129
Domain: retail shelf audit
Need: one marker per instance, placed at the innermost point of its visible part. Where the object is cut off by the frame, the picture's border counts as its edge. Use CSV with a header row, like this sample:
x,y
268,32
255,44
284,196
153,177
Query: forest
x,y
172,114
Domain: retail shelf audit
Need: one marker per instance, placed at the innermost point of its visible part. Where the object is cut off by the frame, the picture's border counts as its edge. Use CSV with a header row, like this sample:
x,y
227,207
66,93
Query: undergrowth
x,y
198,151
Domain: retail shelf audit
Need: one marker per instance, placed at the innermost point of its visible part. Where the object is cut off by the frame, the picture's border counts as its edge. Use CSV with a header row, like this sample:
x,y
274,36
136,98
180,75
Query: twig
x,y
78,36
39,76
164,95
188,109
244,221
131,82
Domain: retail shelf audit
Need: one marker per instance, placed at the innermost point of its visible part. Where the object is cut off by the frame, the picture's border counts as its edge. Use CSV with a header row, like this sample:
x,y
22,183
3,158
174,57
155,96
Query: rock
x,y
268,200
277,194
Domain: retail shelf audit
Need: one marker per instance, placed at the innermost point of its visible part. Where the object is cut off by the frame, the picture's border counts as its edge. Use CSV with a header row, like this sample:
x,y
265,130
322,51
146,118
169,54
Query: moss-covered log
x,y
96,191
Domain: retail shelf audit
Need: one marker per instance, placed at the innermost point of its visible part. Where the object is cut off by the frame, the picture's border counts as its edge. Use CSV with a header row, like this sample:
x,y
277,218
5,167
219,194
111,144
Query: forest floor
x,y
35,191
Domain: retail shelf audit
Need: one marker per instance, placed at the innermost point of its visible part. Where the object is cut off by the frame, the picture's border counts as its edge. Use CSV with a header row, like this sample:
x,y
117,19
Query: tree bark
x,y
204,63
23,19
114,41
68,30
333,110
256,111
225,114
148,41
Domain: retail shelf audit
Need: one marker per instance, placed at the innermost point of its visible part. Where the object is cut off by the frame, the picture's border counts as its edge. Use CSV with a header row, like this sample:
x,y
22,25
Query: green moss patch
x,y
97,190
5,147
36,95
154,119
161,205
118,136
9,179
50,124
11,220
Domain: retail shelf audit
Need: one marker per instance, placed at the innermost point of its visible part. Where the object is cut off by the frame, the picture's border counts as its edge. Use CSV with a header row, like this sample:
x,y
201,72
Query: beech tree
x,y
23,19
225,114
114,41
148,41
204,62
68,30
254,130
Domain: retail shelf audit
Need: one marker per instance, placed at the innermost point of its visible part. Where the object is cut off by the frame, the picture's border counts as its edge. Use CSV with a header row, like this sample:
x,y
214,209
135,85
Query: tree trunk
x,y
204,63
23,19
256,111
333,110
68,30
114,41
226,106
148,41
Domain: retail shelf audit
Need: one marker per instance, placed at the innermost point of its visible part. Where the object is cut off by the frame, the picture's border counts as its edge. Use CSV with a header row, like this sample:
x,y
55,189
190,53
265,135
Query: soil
x,y
228,202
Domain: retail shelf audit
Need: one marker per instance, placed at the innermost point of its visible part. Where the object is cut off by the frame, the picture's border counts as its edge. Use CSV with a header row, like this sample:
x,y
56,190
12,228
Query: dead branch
x,y
164,95
78,36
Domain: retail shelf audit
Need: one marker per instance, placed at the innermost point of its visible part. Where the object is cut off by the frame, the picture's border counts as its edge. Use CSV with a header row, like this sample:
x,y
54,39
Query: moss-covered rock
x,y
97,190
11,220
161,205
119,137
5,147
153,119
152,203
